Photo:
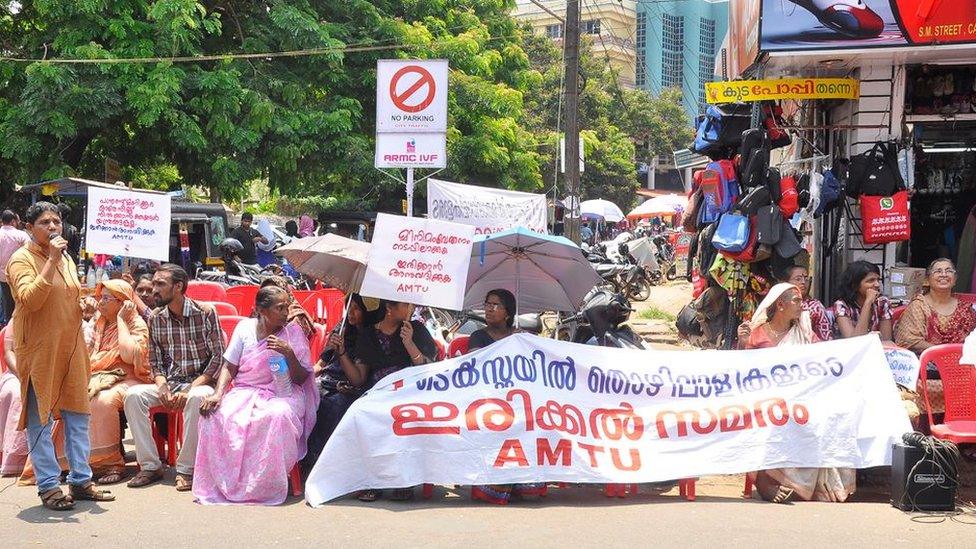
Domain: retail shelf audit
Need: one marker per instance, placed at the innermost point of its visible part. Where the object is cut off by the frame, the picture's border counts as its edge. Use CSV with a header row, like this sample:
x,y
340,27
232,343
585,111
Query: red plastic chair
x,y
223,309
896,315
168,447
227,325
295,480
325,307
959,388
458,346
242,297
205,290
318,341
301,295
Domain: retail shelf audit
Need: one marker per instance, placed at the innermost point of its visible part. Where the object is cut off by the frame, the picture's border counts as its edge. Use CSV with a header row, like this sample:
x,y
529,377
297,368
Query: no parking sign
x,y
411,96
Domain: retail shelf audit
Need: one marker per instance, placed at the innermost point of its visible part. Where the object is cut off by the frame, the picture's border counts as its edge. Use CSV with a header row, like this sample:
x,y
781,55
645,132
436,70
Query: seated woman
x,y
781,321
253,434
500,310
799,276
861,308
119,357
296,314
936,317
332,372
393,343
13,443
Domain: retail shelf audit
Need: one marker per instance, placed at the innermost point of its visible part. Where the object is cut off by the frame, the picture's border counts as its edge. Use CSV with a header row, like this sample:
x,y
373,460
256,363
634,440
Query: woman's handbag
x,y
885,218
732,233
875,172
769,224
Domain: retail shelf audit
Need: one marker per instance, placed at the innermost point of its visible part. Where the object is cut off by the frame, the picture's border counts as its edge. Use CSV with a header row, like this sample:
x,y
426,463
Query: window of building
x,y
554,31
590,26
706,58
672,44
640,78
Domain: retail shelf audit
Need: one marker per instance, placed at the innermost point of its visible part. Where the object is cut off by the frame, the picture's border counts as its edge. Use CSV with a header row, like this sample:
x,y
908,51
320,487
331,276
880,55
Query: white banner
x,y
128,223
419,261
411,95
488,210
528,409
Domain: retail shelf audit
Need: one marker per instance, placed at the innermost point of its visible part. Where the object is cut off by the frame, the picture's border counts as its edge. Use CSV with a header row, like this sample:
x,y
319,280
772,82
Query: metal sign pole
x,y
409,192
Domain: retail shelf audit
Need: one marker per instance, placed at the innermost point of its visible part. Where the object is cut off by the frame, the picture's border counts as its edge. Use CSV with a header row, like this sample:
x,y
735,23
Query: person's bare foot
x,y
770,490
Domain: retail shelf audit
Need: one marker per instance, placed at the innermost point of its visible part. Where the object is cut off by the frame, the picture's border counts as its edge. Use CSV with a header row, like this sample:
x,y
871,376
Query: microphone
x,y
56,234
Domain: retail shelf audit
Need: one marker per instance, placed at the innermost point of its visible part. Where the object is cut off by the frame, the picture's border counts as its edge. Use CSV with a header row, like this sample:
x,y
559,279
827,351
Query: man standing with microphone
x,y
52,358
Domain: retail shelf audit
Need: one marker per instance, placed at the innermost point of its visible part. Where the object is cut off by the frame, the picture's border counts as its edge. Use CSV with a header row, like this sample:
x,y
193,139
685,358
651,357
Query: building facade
x,y
677,42
609,24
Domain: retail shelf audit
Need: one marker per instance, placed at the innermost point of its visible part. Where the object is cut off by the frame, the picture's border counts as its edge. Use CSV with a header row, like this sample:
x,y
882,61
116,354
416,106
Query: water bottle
x,y
279,369
90,278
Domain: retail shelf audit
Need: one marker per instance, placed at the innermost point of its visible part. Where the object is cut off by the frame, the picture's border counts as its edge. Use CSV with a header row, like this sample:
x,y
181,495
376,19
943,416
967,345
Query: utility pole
x,y
571,42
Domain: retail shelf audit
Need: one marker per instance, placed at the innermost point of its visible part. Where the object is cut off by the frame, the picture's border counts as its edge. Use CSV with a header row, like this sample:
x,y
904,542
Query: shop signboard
x,y
783,88
793,25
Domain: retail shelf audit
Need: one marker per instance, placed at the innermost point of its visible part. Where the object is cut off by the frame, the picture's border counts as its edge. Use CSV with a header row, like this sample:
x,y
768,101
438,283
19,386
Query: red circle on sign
x,y
400,100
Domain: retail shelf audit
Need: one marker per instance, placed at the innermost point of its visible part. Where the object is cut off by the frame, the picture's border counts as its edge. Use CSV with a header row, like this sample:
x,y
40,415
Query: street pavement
x,y
582,517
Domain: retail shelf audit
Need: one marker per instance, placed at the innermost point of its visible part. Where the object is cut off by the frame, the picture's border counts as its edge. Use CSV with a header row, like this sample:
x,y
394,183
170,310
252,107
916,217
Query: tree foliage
x,y
305,123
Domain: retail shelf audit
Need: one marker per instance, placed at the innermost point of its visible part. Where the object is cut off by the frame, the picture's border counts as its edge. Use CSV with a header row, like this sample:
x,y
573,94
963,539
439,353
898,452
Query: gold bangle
x,y
416,357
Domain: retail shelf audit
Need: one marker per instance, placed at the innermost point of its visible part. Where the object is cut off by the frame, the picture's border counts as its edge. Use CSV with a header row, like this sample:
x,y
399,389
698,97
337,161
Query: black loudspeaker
x,y
921,481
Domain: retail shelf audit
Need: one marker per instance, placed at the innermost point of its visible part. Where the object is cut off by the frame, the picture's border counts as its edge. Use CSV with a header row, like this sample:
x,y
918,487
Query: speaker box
x,y
919,483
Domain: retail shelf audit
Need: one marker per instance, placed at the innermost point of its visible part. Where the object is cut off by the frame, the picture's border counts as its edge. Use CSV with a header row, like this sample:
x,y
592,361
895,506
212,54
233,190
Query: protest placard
x,y
419,261
529,409
904,366
487,210
128,223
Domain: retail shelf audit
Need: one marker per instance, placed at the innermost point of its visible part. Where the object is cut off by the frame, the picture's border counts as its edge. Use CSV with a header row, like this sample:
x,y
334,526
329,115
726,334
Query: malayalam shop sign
x,y
783,88
411,113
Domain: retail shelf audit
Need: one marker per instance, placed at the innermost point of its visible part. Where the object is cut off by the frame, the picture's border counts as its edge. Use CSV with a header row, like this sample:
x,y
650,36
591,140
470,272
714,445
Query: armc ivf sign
x,y
411,113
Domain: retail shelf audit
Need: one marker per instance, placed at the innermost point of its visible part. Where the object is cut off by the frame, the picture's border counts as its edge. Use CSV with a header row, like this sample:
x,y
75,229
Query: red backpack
x,y
789,199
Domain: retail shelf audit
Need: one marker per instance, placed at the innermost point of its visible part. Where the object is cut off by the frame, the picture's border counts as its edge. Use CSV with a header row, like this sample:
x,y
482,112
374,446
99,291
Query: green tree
x,y
305,124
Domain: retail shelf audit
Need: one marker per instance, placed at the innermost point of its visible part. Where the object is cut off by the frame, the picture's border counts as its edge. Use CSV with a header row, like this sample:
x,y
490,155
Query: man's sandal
x,y
90,493
145,478
111,477
56,500
184,483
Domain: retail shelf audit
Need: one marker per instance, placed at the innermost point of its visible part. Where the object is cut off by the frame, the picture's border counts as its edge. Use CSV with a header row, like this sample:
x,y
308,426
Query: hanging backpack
x,y
754,158
773,121
769,224
789,198
875,172
720,129
831,190
732,233
720,190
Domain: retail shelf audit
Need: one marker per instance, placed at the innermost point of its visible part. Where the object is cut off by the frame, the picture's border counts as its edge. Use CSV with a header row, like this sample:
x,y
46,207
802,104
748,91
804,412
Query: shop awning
x,y
72,186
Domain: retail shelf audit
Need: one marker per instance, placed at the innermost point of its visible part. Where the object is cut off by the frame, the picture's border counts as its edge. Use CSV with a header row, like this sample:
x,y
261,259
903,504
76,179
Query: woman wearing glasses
x,y
936,317
119,355
499,317
821,322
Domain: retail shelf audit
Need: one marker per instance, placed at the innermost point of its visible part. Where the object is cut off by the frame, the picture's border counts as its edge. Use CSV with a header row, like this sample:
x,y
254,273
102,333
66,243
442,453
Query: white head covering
x,y
800,333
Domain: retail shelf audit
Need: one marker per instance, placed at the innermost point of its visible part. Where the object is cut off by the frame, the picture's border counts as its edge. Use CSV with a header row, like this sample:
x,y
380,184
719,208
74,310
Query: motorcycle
x,y
601,321
238,273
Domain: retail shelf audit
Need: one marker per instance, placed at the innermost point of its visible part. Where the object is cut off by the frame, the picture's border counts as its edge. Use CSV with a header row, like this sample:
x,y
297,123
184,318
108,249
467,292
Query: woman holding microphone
x,y
52,359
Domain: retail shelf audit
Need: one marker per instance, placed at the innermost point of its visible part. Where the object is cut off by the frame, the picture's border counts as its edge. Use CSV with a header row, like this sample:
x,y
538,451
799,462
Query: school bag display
x,y
720,190
720,129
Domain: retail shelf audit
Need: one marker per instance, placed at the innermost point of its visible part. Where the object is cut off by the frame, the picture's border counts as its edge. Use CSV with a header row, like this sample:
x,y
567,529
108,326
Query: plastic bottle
x,y
90,278
279,368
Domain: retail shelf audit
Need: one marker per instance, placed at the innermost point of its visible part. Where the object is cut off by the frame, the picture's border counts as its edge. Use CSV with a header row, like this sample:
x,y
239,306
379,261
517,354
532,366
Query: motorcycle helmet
x,y
231,246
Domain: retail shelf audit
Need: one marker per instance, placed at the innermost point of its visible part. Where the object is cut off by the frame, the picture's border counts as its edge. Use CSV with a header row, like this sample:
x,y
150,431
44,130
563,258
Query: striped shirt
x,y
182,349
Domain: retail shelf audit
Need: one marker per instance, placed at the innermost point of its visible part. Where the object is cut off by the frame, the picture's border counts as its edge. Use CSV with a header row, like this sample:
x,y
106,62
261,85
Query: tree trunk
x,y
215,194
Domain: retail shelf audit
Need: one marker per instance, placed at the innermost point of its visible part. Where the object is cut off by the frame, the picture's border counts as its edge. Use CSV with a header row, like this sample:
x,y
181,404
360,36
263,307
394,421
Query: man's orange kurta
x,y
49,344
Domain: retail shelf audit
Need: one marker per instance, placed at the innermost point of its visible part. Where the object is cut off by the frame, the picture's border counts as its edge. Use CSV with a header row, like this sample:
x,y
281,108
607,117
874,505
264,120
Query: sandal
x,y
369,495
184,483
56,500
145,478
89,493
783,495
111,477
402,494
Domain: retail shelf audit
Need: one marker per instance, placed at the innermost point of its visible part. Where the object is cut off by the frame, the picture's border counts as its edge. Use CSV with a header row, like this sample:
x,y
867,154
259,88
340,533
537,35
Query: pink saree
x,y
249,444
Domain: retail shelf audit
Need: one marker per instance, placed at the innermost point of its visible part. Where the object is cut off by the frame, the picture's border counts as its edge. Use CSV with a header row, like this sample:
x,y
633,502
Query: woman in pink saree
x,y
253,434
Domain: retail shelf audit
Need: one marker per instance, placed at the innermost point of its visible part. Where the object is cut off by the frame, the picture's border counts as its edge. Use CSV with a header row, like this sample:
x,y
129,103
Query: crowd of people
x,y
255,403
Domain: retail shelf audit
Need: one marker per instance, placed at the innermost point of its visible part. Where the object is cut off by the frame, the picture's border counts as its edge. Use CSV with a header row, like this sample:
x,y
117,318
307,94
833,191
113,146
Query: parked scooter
x,y
601,321
236,272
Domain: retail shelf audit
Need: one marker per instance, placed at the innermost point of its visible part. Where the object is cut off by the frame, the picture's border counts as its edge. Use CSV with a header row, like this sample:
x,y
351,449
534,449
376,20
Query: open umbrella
x,y
603,208
337,261
660,206
545,273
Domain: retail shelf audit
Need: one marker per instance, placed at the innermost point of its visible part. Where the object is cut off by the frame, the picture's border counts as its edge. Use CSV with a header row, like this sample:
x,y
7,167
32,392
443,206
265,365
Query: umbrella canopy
x,y
546,273
603,208
337,261
660,206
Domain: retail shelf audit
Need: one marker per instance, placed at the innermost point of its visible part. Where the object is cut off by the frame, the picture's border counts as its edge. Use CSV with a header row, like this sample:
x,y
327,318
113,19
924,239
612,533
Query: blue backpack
x,y
720,129
831,190
720,190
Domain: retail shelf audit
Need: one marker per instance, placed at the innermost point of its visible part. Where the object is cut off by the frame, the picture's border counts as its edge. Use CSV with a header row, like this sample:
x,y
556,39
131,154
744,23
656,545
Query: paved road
x,y
576,517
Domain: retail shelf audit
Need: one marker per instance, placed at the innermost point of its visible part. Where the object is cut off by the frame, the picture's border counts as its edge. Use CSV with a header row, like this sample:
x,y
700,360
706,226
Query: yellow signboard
x,y
785,88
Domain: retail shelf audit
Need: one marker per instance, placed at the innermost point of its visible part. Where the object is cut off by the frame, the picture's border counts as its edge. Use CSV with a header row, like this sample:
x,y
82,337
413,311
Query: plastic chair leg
x,y
686,488
427,491
747,489
295,479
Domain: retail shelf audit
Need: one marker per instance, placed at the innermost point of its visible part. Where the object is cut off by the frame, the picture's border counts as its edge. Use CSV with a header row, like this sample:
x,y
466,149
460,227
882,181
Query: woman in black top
x,y
392,344
500,317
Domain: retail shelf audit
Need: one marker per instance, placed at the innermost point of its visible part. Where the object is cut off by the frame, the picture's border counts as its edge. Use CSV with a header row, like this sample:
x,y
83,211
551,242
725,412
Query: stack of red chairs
x,y
205,290
242,298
